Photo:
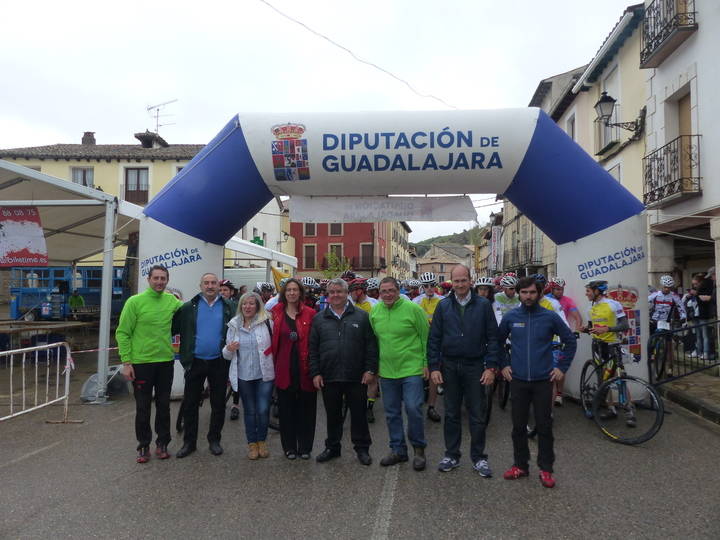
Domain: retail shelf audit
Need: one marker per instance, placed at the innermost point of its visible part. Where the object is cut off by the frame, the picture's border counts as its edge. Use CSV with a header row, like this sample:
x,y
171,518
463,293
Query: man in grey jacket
x,y
343,360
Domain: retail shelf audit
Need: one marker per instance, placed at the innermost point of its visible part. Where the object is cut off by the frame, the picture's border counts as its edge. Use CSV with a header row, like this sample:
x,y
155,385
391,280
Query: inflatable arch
x,y
519,153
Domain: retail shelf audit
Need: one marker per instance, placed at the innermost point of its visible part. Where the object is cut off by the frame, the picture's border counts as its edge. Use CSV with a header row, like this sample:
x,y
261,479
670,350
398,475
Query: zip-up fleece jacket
x,y
402,332
473,335
341,350
531,331
185,324
143,333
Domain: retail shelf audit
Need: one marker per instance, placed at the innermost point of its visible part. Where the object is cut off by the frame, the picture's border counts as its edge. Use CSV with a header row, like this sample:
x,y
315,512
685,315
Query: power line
x,y
356,57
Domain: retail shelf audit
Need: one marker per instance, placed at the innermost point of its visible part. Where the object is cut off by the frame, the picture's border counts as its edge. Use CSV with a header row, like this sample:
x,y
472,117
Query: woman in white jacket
x,y
252,372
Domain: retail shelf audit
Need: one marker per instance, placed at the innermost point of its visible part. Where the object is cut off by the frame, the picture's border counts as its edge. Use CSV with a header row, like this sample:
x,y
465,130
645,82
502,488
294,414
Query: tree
x,y
335,265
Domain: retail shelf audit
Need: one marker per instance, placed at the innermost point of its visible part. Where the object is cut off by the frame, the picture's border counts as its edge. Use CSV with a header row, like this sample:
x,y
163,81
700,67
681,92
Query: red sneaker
x,y
161,451
513,473
143,455
546,479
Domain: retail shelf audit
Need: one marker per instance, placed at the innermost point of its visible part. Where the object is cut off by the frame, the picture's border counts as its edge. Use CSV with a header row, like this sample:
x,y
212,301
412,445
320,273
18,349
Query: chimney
x,y
88,138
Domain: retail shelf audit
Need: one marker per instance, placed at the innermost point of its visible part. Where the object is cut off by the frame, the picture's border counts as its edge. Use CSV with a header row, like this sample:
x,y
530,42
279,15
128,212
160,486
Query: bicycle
x,y
663,345
608,391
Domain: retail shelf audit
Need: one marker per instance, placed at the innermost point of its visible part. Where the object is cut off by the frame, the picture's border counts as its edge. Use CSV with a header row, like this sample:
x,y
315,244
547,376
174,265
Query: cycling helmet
x,y
358,283
428,278
283,281
309,282
413,283
598,284
266,286
373,283
446,285
557,282
540,278
508,281
511,274
348,275
667,281
484,281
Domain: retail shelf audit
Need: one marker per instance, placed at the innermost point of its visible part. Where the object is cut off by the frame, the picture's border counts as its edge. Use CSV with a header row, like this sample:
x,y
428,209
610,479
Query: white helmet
x,y
667,281
308,281
485,281
508,282
557,282
413,283
428,278
373,283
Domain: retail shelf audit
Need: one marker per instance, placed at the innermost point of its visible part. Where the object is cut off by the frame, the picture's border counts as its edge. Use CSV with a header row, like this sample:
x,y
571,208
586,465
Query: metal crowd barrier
x,y
672,354
33,377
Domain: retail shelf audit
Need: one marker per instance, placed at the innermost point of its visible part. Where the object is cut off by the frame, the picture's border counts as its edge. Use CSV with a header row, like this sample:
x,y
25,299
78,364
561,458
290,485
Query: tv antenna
x,y
154,111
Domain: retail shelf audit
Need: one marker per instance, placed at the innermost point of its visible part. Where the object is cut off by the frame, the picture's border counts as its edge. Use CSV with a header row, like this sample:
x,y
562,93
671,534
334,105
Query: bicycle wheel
x,y
489,391
628,410
503,392
590,380
657,355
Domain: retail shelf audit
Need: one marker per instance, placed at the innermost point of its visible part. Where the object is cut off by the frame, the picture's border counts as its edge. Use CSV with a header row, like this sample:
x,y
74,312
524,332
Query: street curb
x,y
696,405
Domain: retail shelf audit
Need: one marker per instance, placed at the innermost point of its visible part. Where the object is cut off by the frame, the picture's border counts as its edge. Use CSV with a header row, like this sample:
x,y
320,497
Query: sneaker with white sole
x,y
483,468
447,464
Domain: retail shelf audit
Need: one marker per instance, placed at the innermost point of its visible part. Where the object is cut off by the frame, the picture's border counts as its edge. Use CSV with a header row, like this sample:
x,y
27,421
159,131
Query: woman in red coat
x,y
297,397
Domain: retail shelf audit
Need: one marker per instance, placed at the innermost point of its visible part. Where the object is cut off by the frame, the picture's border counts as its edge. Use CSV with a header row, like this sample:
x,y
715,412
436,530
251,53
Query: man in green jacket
x,y
144,343
402,331
202,325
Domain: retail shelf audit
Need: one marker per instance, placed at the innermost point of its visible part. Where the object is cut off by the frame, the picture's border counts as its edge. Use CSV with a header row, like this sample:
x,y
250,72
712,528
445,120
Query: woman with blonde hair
x,y
252,371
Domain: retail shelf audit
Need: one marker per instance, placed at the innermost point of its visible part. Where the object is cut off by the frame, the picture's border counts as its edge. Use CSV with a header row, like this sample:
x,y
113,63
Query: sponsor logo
x,y
290,153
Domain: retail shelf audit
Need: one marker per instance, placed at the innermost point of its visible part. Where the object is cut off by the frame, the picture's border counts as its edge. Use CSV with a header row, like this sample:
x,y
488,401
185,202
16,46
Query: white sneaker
x,y
558,400
693,354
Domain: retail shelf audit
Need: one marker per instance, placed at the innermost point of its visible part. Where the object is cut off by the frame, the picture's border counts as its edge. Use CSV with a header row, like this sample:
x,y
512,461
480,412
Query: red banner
x,y
22,242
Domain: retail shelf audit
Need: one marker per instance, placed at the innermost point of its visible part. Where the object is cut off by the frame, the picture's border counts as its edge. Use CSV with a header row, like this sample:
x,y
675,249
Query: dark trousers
x,y
157,377
461,378
539,394
216,373
298,410
355,395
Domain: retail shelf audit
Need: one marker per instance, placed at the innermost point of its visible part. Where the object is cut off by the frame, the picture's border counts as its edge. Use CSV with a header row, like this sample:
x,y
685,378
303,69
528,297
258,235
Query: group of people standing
x,y
343,350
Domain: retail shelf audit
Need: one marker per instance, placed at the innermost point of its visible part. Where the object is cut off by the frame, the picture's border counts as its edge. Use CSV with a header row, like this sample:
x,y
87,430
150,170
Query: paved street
x,y
82,481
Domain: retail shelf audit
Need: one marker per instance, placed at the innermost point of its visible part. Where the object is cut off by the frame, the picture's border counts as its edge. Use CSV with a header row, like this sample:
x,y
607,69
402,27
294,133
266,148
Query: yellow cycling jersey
x,y
367,305
606,312
429,305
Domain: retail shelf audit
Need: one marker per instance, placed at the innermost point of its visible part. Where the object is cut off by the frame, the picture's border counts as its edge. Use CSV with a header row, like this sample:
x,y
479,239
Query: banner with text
x,y
22,241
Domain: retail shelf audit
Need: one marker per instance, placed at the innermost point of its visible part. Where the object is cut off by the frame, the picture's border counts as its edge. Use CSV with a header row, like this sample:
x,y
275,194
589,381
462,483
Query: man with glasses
x,y
402,330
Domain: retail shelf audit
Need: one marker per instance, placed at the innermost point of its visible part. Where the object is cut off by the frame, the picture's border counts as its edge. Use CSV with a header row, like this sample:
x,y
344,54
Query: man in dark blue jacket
x,y
531,374
463,356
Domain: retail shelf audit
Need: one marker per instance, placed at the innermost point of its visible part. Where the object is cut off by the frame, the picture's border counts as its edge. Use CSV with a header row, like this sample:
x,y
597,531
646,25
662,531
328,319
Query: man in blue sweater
x,y
531,373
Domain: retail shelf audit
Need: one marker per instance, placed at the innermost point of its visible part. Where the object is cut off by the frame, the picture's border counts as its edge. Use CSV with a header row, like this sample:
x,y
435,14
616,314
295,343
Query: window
x,y
255,233
442,267
336,229
310,229
337,249
244,233
82,176
441,278
366,255
570,127
264,239
616,172
309,257
136,185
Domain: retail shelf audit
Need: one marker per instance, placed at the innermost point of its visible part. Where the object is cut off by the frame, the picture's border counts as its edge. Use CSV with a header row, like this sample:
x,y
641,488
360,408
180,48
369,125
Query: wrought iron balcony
x,y
667,24
672,173
525,254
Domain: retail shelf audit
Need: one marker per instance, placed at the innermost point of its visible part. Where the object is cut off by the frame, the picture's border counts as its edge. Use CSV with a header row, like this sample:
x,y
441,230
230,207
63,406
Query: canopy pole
x,y
106,302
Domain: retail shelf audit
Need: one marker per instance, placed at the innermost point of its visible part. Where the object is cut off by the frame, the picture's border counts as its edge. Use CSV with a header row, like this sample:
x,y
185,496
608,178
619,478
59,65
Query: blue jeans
x,y
395,392
702,337
256,397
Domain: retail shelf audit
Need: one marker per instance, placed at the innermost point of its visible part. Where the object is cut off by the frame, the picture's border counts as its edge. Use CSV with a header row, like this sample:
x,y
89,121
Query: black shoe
x,y
186,450
290,454
370,416
215,448
364,457
393,459
234,413
327,455
419,459
432,414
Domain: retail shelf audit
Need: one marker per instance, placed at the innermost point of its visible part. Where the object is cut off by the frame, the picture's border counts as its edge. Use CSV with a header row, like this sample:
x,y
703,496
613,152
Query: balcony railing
x,y
672,173
666,25
525,254
367,263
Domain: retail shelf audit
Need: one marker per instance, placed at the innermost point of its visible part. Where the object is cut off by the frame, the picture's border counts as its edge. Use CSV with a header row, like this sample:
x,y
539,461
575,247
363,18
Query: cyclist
x,y
572,315
485,287
322,301
507,298
606,321
270,303
373,288
357,288
413,289
311,287
665,306
428,301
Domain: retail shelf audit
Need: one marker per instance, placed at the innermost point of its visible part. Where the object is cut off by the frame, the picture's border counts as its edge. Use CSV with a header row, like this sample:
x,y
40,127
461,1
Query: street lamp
x,y
604,109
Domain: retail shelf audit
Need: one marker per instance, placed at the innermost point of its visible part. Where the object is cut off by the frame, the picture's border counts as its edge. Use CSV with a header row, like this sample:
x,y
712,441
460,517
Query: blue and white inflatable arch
x,y
320,159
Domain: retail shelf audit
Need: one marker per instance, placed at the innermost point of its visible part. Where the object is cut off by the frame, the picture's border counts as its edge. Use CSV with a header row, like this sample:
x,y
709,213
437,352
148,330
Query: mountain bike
x,y
627,409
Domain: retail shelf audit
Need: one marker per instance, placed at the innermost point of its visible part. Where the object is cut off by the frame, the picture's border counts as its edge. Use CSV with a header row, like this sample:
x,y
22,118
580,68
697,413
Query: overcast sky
x,y
70,67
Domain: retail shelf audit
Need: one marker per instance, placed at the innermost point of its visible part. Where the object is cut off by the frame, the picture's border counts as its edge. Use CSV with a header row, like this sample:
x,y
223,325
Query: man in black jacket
x,y
463,356
343,360
202,325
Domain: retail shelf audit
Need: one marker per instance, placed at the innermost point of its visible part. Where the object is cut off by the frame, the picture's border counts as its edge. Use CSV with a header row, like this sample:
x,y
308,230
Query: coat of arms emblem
x,y
289,153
